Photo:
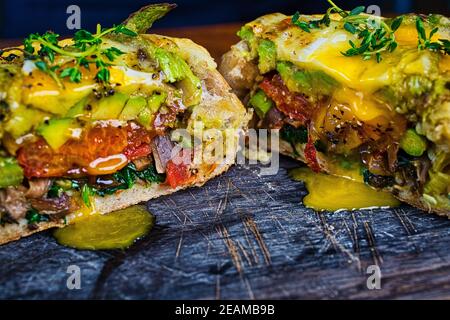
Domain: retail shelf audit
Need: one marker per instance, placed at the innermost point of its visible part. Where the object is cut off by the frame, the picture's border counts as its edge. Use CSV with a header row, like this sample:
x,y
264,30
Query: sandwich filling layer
x,y
383,116
96,115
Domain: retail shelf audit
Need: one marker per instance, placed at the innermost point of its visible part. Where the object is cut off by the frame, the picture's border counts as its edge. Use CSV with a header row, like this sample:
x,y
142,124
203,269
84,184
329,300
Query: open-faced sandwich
x,y
354,95
87,124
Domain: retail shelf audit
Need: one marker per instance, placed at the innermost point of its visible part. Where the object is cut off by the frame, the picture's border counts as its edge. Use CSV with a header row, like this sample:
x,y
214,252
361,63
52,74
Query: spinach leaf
x,y
34,217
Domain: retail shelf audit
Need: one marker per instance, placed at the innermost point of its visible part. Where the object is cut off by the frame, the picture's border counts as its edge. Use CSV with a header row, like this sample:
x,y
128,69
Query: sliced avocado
x,y
145,117
437,184
153,104
267,52
413,144
177,70
57,131
109,108
133,108
309,82
246,34
11,174
418,85
78,110
262,103
156,100
192,90
23,120
172,65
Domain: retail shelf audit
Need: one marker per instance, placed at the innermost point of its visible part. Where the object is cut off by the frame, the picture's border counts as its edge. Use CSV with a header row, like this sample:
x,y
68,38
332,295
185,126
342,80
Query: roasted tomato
x,y
177,170
138,142
75,157
294,105
311,156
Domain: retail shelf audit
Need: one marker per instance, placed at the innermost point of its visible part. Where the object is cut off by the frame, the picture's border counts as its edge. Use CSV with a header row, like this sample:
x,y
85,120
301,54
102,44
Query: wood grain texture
x,y
244,236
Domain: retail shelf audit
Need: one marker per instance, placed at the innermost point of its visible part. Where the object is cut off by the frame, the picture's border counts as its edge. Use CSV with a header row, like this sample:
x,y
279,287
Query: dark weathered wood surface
x,y
244,236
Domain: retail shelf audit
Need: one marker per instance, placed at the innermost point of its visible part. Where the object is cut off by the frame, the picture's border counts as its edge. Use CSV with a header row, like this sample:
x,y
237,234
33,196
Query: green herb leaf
x,y
112,53
55,191
357,11
85,45
73,73
301,24
124,30
33,216
127,177
103,75
421,29
350,28
41,65
86,193
424,42
396,23
376,38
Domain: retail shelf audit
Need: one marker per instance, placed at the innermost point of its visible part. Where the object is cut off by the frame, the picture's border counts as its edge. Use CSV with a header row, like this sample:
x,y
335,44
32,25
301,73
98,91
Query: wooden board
x,y
244,236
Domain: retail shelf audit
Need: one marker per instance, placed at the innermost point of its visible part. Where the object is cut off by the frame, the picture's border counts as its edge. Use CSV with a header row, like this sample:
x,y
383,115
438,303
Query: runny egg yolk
x,y
331,193
107,165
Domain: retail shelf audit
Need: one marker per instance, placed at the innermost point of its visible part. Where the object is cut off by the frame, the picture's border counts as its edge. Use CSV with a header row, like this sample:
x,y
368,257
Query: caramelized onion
x,y
162,152
38,188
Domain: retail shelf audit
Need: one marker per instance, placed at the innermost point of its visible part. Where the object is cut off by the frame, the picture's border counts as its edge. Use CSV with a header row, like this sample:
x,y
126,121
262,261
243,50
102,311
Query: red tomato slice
x,y
177,170
311,157
294,105
39,160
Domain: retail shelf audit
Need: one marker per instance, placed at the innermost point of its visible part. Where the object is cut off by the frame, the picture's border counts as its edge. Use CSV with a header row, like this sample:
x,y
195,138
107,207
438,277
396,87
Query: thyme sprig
x,y
377,36
85,51
426,42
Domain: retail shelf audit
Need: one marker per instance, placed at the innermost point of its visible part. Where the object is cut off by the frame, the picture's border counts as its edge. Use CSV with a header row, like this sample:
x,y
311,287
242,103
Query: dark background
x,y
18,18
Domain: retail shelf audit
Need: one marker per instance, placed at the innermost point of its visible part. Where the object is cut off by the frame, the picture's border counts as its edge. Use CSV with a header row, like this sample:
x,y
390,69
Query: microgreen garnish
x,y
442,45
86,193
85,51
377,36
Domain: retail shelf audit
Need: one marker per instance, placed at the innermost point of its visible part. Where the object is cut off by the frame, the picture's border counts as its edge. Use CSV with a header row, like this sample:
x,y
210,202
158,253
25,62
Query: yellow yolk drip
x,y
331,193
116,230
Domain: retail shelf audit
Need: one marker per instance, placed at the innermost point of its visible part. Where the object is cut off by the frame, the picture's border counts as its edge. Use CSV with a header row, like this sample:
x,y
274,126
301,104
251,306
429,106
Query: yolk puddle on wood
x,y
116,230
331,193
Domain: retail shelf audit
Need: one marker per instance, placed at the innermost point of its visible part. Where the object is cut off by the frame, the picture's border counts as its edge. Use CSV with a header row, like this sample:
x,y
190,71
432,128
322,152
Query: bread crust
x,y
217,91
